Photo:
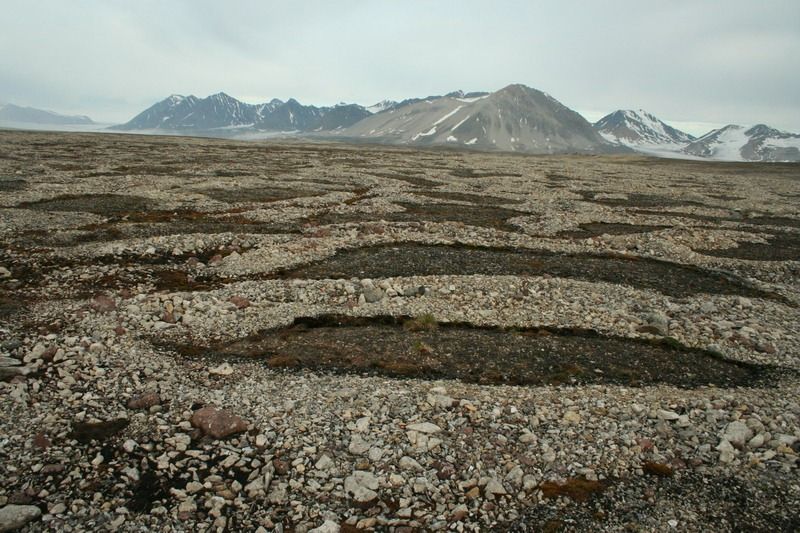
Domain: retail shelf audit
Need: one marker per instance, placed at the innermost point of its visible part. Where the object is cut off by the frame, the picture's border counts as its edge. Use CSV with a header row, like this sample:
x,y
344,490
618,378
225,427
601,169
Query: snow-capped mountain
x,y
220,111
640,129
12,114
515,118
739,143
383,105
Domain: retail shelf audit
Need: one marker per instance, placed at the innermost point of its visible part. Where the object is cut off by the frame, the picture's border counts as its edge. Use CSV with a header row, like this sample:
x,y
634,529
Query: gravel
x,y
107,426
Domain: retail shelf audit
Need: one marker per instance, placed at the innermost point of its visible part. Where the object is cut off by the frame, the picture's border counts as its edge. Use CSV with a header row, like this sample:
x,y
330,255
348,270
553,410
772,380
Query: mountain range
x,y
12,114
220,111
515,118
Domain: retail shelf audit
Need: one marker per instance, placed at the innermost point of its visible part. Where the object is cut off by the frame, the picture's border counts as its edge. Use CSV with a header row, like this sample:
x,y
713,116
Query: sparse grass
x,y
423,348
426,322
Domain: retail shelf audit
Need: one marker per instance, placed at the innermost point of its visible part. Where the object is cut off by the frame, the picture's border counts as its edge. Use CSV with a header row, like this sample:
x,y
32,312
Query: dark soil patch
x,y
100,204
478,199
716,503
781,247
595,229
472,173
638,200
785,222
470,215
233,195
413,180
8,184
433,260
85,432
383,346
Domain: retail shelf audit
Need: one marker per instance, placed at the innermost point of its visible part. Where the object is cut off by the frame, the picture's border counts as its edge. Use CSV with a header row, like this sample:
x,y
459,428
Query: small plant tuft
x,y
425,322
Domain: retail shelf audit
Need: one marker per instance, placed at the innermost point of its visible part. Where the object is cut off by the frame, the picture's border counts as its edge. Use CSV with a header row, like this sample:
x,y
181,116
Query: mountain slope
x,y
515,118
220,111
639,128
11,113
738,143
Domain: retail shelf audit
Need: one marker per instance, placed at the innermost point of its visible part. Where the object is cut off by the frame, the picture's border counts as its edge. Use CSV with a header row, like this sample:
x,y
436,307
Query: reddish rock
x,y
281,466
48,354
53,469
215,259
103,304
40,440
120,331
144,401
218,423
240,302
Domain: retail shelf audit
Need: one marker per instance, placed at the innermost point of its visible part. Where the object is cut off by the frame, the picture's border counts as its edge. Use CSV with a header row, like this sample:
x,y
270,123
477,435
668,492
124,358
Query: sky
x,y
696,64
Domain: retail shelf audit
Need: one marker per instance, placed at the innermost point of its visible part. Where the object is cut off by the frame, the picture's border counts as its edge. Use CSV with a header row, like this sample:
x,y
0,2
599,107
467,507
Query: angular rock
x,y
361,487
424,427
737,433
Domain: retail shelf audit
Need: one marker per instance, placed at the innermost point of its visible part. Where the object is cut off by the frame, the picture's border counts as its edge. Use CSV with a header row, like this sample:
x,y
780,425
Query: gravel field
x,y
209,335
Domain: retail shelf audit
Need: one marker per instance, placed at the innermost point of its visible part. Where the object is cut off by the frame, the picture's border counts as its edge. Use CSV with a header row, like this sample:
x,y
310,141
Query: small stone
x,y
424,427
103,304
218,423
664,414
16,516
225,369
493,486
240,302
358,446
324,463
372,295
407,463
737,433
572,417
329,526
361,487
144,401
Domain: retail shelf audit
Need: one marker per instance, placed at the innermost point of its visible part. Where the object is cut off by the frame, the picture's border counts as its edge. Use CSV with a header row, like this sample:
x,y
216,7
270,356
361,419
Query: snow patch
x,y
425,134
450,114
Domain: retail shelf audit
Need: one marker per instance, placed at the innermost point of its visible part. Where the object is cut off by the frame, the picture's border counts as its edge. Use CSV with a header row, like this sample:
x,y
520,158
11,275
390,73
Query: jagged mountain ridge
x,y
10,113
515,118
221,111
739,143
639,128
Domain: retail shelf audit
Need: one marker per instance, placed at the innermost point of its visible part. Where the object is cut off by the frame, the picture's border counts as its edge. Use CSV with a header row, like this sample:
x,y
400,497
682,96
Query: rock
x,y
407,463
6,361
372,295
103,304
572,417
144,401
424,427
324,463
225,369
664,414
329,526
726,451
659,322
240,302
16,516
218,423
85,432
358,446
493,486
708,307
737,433
4,273
361,487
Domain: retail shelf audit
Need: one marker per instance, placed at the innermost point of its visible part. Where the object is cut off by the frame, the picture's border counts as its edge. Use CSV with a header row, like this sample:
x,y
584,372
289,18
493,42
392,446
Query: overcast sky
x,y
693,63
